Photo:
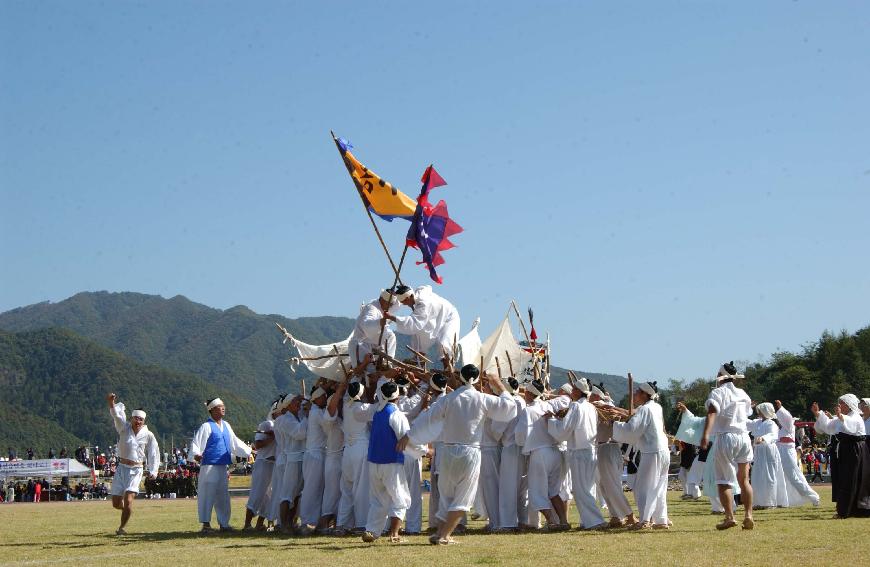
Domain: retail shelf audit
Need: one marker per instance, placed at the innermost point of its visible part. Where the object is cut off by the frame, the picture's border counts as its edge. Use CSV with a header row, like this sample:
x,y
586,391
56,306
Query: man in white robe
x,y
546,468
433,321
610,464
728,409
313,462
645,430
136,447
461,414
513,494
367,329
579,427
353,507
332,423
214,445
259,497
411,405
388,482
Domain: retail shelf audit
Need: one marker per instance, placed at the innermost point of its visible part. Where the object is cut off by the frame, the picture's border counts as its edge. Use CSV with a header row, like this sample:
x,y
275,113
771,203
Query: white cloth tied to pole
x,y
329,368
469,345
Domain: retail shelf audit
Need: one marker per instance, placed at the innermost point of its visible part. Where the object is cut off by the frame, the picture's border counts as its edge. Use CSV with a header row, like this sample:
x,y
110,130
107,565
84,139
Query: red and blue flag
x,y
431,226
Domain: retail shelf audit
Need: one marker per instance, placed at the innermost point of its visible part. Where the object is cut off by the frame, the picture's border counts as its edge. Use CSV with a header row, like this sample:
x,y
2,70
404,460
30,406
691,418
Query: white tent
x,y
43,468
503,345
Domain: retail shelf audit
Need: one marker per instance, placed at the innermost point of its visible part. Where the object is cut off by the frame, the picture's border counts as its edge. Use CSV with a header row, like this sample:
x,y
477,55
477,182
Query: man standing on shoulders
x,y
433,321
136,445
214,445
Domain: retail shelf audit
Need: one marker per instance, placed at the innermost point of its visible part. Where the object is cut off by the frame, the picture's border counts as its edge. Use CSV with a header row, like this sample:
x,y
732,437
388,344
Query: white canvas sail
x,y
502,344
469,346
329,368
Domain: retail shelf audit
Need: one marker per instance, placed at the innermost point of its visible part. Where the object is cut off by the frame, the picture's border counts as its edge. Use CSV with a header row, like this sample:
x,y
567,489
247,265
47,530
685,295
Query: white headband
x,y
722,370
866,403
214,403
597,391
566,388
583,385
766,410
850,400
317,393
358,394
391,397
389,297
531,388
648,388
138,413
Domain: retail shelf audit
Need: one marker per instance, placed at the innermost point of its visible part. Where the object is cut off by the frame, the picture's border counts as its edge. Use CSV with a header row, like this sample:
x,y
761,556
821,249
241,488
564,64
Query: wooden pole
x,y
365,204
498,367
510,364
343,367
630,394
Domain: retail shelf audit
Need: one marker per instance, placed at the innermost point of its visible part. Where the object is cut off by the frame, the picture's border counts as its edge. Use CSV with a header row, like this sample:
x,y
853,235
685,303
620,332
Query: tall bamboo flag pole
x,y
365,203
529,341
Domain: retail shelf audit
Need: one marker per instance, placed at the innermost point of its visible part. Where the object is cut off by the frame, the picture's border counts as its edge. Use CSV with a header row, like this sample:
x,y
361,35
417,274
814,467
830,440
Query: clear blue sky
x,y
669,185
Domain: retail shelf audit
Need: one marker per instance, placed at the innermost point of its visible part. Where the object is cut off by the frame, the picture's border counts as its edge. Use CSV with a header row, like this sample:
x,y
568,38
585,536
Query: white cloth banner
x,y
469,345
43,467
329,368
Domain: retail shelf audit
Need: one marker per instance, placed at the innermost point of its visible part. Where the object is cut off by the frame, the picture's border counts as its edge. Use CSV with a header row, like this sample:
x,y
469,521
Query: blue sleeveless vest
x,y
382,441
217,448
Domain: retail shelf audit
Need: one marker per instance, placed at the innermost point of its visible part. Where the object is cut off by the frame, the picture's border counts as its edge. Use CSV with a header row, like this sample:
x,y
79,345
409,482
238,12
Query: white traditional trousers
x,y
610,465
584,475
389,496
312,486
259,498
651,487
488,484
213,493
353,507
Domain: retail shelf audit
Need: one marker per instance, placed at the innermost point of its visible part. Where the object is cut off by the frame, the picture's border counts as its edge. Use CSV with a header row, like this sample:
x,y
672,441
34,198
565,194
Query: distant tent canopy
x,y
43,468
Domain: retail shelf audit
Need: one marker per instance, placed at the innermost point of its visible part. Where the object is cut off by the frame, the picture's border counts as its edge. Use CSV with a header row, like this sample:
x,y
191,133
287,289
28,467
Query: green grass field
x,y
165,531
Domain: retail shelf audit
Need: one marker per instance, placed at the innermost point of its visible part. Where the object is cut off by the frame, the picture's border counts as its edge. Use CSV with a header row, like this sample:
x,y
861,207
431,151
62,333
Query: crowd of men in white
x,y
347,458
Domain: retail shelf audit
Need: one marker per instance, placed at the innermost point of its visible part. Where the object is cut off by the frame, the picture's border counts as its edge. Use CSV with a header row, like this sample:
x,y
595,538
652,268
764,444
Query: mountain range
x,y
57,361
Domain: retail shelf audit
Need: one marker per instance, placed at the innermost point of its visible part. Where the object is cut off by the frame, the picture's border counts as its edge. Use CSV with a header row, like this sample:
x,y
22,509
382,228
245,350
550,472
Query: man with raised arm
x,y
433,321
136,447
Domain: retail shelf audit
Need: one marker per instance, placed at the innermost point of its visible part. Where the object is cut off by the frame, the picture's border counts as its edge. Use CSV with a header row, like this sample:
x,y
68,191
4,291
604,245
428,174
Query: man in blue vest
x,y
388,481
214,445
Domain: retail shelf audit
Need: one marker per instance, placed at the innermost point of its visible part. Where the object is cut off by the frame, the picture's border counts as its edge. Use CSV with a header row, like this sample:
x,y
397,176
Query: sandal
x,y
748,523
398,539
726,524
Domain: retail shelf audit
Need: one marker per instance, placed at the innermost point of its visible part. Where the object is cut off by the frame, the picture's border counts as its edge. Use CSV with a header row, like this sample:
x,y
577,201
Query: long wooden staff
x,y
365,203
630,394
510,364
343,367
498,367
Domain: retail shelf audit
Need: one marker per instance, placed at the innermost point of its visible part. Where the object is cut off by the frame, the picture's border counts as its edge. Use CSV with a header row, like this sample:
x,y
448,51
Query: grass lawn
x,y
164,531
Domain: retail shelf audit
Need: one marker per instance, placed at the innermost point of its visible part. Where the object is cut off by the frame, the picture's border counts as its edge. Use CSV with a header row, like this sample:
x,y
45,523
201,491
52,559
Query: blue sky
x,y
669,185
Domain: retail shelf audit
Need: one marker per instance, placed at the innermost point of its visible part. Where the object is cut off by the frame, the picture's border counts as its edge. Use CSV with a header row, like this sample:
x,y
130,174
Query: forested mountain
x,y
235,349
54,385
823,371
